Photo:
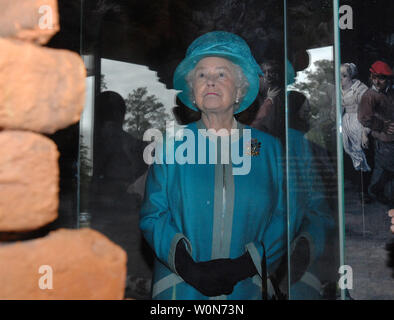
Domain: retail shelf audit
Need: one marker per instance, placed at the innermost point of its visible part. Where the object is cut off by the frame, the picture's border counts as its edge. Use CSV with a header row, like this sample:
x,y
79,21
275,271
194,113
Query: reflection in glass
x,y
126,98
123,100
312,151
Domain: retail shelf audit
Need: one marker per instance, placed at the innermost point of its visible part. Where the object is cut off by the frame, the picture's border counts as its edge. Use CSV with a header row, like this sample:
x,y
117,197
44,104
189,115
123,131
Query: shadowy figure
x,y
271,110
117,160
299,114
309,214
116,189
376,111
355,136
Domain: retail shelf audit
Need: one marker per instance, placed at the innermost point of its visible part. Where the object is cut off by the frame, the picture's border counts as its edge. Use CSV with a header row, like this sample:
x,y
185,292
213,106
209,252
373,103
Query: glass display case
x,y
131,51
313,147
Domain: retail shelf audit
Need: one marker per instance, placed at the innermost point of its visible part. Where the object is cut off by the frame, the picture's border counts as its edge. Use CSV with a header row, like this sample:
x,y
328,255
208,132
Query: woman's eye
x,y
222,74
201,75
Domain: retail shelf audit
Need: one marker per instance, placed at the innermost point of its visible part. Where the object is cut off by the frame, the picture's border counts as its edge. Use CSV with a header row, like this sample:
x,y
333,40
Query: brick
x,y
42,89
83,263
29,20
29,179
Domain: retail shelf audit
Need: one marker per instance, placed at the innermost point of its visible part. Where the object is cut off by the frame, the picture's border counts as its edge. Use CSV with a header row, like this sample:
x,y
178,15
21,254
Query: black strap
x,y
264,292
278,295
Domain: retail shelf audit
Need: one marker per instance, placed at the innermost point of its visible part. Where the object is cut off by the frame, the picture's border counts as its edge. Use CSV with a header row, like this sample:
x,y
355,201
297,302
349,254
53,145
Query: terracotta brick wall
x,y
43,90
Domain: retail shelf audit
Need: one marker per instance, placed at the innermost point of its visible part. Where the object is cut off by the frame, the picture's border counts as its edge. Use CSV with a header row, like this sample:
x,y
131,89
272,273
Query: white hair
x,y
241,82
351,69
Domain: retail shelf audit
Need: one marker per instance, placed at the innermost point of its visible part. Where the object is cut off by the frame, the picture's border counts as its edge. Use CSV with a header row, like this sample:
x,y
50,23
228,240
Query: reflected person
x,y
376,112
117,154
270,114
310,216
354,134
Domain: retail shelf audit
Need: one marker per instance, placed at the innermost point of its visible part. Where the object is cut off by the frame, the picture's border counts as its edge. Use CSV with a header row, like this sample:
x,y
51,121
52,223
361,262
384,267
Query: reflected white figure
x,y
355,136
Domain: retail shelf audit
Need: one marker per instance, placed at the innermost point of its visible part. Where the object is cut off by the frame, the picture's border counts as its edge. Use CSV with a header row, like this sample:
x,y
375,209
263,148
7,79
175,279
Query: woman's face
x,y
214,85
346,80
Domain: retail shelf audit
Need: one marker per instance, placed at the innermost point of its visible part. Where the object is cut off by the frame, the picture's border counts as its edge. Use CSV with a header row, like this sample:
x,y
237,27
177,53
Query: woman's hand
x,y
203,276
391,214
214,277
230,271
217,276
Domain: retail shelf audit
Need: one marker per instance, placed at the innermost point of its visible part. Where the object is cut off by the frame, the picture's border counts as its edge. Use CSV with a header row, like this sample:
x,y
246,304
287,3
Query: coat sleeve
x,y
156,219
264,119
273,238
366,112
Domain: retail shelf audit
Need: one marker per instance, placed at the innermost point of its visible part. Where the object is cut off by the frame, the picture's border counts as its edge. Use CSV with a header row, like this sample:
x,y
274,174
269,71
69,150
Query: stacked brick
x,y
42,90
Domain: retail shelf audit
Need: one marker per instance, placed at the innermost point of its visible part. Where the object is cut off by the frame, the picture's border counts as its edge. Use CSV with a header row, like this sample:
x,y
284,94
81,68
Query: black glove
x,y
215,277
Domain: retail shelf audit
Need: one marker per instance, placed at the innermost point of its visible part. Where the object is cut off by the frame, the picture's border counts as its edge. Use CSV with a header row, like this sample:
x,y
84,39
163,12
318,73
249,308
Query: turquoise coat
x,y
216,213
310,217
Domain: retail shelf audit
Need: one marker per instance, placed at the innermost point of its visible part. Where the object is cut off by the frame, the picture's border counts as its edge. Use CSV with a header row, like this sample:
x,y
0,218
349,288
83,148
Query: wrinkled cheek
x,y
197,97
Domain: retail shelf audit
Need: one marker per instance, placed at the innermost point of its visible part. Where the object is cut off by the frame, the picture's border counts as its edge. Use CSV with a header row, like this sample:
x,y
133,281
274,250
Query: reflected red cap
x,y
380,67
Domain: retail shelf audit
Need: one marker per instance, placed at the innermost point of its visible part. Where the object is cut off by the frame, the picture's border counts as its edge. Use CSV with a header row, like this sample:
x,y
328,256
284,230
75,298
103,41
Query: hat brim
x,y
387,73
190,62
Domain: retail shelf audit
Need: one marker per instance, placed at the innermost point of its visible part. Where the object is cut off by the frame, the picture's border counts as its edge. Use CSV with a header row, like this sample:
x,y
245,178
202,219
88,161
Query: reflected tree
x,y
103,83
320,89
319,86
143,112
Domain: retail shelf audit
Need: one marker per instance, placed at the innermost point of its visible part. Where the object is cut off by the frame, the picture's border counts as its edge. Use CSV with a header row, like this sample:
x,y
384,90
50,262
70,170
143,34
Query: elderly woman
x,y
210,228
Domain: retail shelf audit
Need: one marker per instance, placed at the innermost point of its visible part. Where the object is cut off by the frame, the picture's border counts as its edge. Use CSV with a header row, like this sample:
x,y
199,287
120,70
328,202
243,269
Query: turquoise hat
x,y
219,44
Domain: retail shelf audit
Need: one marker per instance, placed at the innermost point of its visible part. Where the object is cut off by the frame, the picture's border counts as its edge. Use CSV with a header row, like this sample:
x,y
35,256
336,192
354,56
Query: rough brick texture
x,y
29,178
84,263
29,20
42,89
